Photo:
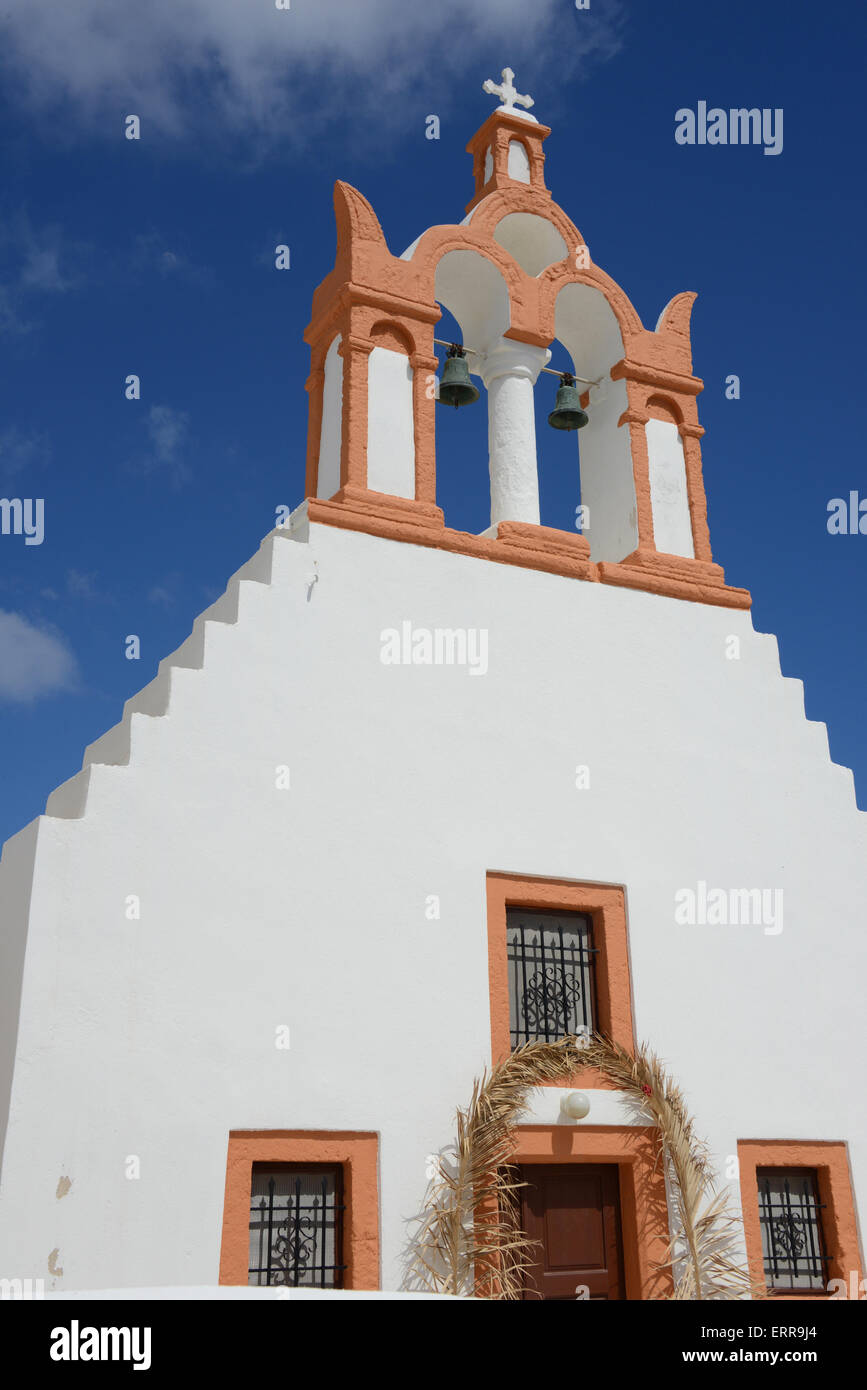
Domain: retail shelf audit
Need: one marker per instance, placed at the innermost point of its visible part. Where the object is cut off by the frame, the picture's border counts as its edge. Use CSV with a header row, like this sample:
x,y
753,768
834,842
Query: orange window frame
x,y
358,1156
830,1160
605,905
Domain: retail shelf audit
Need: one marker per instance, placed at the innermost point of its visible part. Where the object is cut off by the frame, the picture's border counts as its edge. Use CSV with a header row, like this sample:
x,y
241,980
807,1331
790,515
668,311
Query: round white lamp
x,y
575,1105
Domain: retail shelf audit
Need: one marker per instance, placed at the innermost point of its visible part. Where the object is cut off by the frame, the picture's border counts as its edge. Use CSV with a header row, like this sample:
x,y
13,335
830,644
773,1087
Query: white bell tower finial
x,y
508,93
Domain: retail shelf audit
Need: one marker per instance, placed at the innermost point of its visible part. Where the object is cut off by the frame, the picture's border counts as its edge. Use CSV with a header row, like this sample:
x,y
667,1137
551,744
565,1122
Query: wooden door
x,y
574,1210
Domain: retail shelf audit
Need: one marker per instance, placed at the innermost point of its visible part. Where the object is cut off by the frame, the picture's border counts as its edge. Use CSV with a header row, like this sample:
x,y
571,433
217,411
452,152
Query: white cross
x,y
507,92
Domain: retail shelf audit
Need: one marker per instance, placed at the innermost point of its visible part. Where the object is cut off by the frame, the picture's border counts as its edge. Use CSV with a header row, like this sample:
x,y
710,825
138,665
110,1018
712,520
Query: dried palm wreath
x,y
469,1240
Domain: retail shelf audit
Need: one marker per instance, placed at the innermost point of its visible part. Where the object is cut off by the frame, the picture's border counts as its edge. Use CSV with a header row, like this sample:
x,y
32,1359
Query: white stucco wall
x,y
16,878
328,478
672,527
390,428
306,907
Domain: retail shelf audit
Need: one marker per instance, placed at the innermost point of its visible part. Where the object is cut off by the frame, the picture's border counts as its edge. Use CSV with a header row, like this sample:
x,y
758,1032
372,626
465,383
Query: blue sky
x,y
156,257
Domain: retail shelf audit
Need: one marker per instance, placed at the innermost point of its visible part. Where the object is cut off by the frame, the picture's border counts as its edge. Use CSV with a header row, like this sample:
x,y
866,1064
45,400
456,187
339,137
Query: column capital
x,y
353,342
511,358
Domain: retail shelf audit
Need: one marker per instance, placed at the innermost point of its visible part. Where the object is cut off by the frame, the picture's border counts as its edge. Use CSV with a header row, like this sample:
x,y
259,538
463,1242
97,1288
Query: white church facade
x,y
408,798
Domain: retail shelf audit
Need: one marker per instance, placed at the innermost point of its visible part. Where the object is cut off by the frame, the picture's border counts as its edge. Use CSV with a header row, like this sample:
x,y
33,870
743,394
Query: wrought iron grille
x,y
551,984
296,1226
792,1245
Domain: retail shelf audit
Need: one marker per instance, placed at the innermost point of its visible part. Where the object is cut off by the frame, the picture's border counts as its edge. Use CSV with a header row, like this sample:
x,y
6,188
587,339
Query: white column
x,y
509,372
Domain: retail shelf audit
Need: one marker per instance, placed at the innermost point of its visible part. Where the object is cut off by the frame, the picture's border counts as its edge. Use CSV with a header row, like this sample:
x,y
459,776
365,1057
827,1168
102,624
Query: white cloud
x,y
150,252
168,430
11,319
30,265
20,452
33,661
165,591
81,585
34,253
190,66
41,270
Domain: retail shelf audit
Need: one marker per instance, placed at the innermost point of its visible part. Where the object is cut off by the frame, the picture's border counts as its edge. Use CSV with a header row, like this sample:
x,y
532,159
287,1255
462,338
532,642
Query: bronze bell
x,y
567,413
455,387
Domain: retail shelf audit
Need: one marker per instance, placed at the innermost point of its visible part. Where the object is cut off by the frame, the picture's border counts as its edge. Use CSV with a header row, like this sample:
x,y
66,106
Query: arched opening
x,y
474,291
533,241
518,166
463,488
587,328
557,454
475,301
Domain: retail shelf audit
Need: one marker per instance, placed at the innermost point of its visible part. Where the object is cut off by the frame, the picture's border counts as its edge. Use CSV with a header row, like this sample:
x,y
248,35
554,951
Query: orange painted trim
x,y
353,451
424,426
689,431
643,1204
699,581
695,491
834,1181
356,1152
664,408
358,503
352,296
651,375
436,242
547,540
390,334
641,478
674,325
606,907
562,273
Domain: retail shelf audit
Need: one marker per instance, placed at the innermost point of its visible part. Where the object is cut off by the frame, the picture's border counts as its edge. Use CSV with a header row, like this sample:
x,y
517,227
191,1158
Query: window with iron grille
x,y
551,984
296,1225
789,1216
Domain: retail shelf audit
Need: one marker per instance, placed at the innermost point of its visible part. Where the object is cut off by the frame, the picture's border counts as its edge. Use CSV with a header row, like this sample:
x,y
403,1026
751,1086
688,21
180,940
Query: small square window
x,y
551,975
296,1225
793,1248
